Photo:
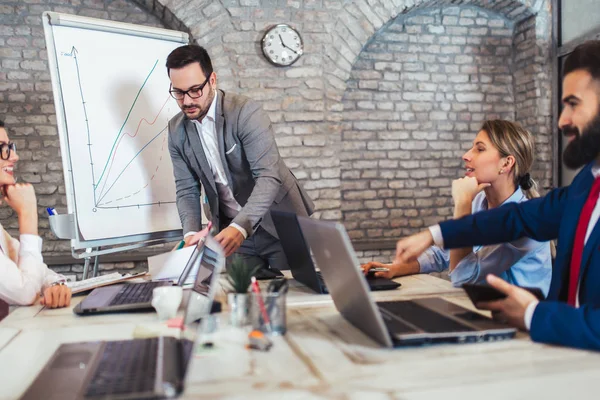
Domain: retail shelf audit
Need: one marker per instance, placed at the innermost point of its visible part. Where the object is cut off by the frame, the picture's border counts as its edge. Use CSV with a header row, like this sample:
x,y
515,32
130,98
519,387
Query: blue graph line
x,y
123,126
129,163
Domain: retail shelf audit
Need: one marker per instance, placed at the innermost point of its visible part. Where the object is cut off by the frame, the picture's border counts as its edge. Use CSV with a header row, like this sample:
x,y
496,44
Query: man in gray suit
x,y
225,143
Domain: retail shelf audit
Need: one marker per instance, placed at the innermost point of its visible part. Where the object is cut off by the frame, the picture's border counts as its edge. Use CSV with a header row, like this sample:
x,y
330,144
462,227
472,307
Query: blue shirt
x,y
523,262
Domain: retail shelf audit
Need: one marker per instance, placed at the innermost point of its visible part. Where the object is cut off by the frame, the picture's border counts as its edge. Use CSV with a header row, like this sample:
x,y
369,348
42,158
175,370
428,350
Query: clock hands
x,y
283,44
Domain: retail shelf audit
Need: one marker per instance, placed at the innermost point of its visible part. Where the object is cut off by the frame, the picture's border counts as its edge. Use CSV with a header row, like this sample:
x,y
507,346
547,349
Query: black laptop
x,y
132,369
131,296
300,261
392,323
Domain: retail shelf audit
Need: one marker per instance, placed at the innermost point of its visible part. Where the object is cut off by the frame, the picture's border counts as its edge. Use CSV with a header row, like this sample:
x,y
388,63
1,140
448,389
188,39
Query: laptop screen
x,y
212,262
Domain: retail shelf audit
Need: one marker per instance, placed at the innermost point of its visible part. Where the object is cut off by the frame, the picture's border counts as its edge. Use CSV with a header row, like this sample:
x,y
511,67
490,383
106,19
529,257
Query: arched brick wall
x,y
304,102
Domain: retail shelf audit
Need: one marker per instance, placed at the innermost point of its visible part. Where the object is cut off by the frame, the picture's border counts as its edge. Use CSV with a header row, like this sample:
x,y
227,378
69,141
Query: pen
x,y
256,290
378,269
51,211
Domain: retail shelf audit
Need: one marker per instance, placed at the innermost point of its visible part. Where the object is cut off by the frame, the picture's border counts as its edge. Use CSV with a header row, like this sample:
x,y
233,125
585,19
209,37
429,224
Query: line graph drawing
x,y
104,194
125,122
113,108
99,187
129,163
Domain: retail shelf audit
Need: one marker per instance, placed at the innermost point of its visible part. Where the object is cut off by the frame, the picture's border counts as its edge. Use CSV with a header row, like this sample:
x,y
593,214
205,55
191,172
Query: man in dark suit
x,y
225,143
570,315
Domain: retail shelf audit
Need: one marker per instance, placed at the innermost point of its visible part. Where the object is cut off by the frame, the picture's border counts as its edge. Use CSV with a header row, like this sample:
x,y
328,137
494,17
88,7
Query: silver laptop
x,y
132,369
131,296
391,323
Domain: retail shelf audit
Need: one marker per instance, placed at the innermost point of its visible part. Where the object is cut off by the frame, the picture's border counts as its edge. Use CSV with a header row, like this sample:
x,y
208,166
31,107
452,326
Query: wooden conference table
x,y
321,357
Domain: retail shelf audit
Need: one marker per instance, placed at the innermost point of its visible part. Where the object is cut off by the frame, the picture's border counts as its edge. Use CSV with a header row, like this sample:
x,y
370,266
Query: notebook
x,y
391,323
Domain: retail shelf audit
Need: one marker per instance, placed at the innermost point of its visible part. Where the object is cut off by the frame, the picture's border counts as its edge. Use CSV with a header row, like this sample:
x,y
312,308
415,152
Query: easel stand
x,y
64,227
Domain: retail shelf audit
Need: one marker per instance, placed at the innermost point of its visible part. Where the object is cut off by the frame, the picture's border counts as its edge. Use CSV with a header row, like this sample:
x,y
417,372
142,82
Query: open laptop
x,y
132,369
300,261
391,323
131,296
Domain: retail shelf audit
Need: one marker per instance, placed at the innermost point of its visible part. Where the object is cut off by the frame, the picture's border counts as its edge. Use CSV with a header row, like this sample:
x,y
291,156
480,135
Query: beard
x,y
585,147
201,109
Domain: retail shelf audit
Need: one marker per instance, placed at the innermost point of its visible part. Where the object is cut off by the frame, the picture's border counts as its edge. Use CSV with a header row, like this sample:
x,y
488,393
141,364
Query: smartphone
x,y
479,293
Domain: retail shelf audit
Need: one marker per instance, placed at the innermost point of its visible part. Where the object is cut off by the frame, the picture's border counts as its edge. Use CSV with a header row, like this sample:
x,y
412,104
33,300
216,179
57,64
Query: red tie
x,y
578,244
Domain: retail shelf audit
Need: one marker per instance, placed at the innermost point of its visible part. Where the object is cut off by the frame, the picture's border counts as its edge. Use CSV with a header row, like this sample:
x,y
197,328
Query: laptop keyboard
x,y
134,293
422,317
127,366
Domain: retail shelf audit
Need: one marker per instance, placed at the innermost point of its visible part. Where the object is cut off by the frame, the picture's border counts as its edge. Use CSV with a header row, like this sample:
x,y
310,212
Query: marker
x,y
51,211
180,245
261,304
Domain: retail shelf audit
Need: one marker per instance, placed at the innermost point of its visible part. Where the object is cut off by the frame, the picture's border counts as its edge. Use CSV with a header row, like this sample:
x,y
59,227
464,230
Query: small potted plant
x,y
239,279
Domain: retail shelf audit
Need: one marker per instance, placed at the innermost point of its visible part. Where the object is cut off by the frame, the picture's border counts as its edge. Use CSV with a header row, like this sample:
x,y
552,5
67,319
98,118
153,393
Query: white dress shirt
x,y
207,130
23,274
436,233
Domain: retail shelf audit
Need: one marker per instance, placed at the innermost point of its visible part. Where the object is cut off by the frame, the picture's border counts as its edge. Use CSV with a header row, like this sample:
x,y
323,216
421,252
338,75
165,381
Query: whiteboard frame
x,y
50,19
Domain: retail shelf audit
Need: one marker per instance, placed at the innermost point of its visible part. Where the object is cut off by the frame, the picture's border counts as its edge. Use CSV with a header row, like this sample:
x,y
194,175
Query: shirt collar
x,y
596,170
212,111
517,197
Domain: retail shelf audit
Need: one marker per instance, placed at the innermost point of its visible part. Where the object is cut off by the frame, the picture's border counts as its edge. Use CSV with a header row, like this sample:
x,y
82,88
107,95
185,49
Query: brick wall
x,y
417,95
305,102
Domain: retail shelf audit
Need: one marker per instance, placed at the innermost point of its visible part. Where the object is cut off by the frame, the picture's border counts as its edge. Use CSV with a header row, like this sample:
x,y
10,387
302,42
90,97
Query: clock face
x,y
282,45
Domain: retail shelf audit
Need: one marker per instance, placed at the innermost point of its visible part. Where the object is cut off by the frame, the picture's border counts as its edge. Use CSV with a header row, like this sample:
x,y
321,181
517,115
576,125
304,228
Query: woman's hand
x,y
465,189
56,296
21,198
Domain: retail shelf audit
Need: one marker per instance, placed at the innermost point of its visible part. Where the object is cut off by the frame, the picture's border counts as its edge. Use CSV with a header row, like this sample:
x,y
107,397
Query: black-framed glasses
x,y
195,92
6,148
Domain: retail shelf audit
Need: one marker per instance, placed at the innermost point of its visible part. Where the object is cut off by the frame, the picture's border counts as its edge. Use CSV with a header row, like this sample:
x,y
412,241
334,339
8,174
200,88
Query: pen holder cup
x,y
274,306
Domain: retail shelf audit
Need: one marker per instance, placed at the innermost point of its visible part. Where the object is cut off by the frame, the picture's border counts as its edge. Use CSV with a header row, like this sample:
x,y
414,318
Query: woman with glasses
x,y
23,274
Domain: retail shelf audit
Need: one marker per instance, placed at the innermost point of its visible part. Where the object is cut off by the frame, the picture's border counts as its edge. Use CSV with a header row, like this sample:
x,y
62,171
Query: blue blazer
x,y
552,216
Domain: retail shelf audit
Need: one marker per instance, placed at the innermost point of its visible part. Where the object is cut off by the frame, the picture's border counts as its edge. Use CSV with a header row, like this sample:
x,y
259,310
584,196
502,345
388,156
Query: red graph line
x,y
132,136
147,183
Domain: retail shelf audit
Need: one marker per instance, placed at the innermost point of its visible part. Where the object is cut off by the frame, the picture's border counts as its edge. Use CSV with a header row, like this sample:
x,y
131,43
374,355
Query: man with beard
x,y
225,143
570,315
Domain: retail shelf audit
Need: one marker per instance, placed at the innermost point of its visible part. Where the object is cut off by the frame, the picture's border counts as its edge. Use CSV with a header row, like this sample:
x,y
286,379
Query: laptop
x,y
131,296
391,323
300,261
132,369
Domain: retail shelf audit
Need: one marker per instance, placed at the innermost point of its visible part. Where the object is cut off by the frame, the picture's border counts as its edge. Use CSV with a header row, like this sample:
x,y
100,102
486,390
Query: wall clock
x,y
282,45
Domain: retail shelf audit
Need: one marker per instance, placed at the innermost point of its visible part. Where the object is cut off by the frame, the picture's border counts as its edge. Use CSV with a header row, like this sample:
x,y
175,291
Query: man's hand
x,y
191,240
465,189
230,239
395,269
408,249
56,296
512,308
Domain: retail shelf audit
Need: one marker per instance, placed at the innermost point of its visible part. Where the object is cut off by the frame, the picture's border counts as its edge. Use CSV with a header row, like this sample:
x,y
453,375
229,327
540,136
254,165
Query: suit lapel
x,y
571,218
195,151
590,246
219,124
573,211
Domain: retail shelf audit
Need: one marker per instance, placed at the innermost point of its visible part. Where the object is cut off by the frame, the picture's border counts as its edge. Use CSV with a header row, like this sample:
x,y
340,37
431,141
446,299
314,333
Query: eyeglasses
x,y
195,92
6,148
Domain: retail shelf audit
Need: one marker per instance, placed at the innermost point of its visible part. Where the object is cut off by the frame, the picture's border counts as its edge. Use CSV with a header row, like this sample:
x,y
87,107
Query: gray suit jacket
x,y
257,174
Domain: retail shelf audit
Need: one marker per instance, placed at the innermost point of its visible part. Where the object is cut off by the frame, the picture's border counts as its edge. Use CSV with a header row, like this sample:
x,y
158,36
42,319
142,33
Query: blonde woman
x,y
497,172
